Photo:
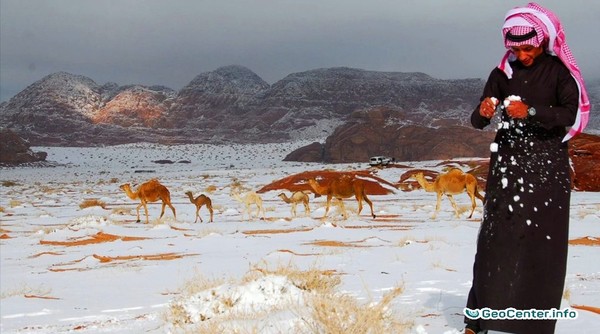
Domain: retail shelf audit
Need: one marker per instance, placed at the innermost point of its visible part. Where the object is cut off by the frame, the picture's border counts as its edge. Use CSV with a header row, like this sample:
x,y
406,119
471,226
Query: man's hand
x,y
487,108
517,109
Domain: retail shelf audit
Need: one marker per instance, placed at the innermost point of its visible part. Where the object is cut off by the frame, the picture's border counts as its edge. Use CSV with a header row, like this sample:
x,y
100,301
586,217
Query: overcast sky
x,y
170,42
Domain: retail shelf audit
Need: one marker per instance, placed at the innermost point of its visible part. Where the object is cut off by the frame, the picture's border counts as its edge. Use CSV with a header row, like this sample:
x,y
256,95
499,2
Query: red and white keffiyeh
x,y
547,26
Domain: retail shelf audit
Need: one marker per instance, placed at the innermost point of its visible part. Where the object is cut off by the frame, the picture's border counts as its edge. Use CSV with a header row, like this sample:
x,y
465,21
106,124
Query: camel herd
x,y
450,183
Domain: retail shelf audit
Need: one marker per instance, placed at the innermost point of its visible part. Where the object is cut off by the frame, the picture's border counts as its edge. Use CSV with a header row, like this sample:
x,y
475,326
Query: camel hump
x,y
455,170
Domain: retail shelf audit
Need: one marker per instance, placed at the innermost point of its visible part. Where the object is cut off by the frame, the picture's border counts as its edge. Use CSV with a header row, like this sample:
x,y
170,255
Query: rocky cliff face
x,y
229,104
15,151
389,132
233,104
584,151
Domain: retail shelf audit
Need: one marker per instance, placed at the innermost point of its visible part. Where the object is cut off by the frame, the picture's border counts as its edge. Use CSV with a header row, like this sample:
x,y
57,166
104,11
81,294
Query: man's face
x,y
527,53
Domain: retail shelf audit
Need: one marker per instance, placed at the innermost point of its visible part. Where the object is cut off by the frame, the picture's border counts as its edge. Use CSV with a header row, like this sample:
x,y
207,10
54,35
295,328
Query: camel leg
x,y
343,208
306,209
248,210
473,204
293,209
162,209
138,212
453,205
146,211
327,205
172,209
198,215
210,209
359,200
437,204
370,205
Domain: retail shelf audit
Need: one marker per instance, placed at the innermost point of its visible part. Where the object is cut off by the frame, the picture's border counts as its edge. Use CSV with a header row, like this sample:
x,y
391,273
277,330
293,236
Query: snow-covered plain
x,y
95,270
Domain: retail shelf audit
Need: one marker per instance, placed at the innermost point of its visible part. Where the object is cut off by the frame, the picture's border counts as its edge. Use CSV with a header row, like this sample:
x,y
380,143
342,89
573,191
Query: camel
x,y
200,201
340,188
248,199
453,182
148,192
297,197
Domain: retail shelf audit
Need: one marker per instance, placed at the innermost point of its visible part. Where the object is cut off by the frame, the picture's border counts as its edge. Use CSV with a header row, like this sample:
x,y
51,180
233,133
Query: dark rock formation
x,y
230,104
233,104
584,151
14,150
310,153
381,131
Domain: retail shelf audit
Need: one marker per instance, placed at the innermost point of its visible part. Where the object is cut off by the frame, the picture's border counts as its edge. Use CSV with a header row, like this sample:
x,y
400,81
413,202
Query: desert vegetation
x,y
316,303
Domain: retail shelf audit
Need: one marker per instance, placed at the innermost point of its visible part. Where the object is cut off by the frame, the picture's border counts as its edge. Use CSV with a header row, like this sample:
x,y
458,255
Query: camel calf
x,y
149,192
297,197
250,198
199,202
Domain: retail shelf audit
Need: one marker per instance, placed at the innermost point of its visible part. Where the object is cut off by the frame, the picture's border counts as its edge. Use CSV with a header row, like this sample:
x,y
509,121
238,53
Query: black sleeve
x,y
491,89
562,114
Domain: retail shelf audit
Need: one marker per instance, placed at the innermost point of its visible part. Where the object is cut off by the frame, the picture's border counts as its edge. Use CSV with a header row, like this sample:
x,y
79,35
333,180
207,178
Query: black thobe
x,y
522,245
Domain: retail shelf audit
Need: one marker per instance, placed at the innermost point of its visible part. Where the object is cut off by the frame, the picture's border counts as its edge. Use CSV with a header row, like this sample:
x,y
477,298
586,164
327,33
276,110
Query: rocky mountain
x,y
233,104
230,104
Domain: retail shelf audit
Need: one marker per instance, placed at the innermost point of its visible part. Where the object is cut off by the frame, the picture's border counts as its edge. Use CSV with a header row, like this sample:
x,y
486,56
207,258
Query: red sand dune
x,y
587,308
97,238
298,182
334,243
585,241
273,231
152,257
44,253
41,297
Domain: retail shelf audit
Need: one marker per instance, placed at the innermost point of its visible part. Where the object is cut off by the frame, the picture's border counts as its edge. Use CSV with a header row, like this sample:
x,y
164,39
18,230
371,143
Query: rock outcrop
x,y
584,151
15,151
383,131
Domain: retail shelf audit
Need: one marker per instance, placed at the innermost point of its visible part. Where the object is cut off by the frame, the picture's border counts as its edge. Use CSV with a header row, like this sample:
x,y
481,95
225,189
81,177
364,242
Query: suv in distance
x,y
380,161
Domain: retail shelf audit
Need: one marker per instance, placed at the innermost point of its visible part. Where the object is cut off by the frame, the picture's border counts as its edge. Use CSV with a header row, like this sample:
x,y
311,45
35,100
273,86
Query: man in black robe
x,y
522,245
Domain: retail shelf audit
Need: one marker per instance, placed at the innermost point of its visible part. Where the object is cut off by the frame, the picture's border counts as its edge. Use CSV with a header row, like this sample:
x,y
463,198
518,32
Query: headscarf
x,y
522,21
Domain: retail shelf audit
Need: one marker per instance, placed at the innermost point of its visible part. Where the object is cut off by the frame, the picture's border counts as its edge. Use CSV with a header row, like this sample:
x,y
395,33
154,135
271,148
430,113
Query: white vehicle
x,y
380,161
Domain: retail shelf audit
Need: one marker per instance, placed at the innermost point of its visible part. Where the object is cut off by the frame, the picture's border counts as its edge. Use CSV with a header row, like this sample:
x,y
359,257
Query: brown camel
x,y
453,182
149,192
297,197
199,202
342,187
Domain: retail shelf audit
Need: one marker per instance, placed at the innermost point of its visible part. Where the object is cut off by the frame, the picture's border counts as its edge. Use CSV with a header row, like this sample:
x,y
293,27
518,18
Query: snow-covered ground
x,y
94,269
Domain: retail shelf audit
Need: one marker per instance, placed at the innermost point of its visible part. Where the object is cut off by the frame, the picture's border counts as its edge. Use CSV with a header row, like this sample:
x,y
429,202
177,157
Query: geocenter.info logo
x,y
514,314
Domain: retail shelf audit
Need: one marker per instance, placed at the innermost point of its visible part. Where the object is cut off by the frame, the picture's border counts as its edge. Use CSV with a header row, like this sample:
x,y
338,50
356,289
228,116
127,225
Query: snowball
x,y
494,147
504,183
528,222
510,99
516,198
494,100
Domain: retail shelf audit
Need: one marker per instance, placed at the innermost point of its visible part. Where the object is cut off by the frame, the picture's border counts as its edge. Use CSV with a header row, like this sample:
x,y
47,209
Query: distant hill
x,y
233,104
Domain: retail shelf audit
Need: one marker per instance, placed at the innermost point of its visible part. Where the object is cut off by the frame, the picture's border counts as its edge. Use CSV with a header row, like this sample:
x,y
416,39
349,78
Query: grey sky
x,y
170,42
